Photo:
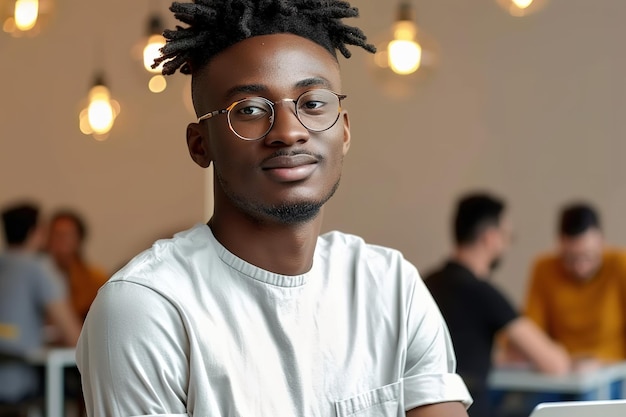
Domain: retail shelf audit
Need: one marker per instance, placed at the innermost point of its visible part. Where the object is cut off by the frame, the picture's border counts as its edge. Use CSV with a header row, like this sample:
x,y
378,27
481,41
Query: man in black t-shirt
x,y
476,311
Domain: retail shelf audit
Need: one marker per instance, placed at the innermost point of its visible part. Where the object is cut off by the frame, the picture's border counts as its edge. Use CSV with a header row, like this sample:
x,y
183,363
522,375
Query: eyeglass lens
x,y
252,118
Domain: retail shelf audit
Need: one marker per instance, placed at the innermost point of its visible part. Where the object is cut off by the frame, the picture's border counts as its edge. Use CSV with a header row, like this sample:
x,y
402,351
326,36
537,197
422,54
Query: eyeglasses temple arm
x,y
212,114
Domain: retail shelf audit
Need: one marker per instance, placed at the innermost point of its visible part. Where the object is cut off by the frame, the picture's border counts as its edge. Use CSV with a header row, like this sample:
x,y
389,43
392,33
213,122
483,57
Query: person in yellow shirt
x,y
578,295
65,244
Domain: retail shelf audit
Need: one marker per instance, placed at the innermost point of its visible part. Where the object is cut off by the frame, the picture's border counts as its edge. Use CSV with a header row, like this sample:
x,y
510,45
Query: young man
x,y
578,294
30,293
254,313
475,311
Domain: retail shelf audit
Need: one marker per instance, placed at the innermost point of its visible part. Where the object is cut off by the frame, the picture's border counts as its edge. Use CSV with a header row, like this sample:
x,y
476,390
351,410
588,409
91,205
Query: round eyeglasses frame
x,y
272,104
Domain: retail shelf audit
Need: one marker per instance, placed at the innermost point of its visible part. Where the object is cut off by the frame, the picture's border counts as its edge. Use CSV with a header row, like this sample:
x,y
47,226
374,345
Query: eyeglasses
x,y
252,118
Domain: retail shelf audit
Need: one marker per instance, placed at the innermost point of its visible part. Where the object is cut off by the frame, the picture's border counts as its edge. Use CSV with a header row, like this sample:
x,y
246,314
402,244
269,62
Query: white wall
x,y
529,108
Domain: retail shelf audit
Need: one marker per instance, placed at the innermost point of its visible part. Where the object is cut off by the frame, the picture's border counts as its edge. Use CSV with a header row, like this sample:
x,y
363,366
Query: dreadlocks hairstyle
x,y
214,25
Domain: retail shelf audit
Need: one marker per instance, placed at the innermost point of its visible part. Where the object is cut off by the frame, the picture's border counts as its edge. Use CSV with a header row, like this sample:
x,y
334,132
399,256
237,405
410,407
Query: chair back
x,y
28,407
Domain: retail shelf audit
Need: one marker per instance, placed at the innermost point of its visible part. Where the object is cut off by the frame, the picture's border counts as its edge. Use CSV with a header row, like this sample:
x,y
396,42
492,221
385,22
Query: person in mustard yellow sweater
x,y
578,295
65,244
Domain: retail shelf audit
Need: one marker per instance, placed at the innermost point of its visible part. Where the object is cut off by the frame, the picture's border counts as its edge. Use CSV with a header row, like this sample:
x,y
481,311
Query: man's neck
x,y
473,259
282,249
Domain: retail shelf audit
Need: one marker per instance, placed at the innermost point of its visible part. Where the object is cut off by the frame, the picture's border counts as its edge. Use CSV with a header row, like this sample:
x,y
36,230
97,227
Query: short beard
x,y
296,213
495,264
286,214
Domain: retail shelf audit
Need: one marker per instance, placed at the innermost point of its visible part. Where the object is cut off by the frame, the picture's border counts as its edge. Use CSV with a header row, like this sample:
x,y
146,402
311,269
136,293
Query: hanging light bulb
x,y
98,117
404,53
520,8
522,4
152,50
24,17
408,48
26,13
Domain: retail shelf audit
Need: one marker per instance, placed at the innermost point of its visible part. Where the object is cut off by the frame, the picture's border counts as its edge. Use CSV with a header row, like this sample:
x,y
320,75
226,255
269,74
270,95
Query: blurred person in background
x,y
30,294
67,235
475,311
577,294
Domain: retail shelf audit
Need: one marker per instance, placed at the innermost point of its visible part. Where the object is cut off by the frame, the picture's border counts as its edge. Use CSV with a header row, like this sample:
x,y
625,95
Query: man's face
x,y
501,236
581,255
287,175
63,238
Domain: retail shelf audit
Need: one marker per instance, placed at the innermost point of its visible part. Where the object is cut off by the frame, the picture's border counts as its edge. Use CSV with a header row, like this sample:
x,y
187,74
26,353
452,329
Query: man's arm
x,y
132,354
447,409
547,356
430,374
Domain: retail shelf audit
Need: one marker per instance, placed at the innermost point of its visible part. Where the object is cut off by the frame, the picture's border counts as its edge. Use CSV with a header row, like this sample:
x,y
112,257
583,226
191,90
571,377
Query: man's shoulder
x,y
615,253
546,260
434,270
165,258
26,264
353,253
352,245
18,259
452,273
35,272
616,257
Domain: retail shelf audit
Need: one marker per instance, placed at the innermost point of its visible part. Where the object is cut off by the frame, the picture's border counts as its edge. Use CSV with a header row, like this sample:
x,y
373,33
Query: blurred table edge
x,y
512,379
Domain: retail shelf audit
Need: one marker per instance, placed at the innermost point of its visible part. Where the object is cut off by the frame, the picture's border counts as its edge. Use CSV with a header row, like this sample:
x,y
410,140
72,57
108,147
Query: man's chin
x,y
296,213
495,264
585,276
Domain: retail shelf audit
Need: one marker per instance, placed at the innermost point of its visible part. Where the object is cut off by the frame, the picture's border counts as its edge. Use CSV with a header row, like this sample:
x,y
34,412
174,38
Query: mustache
x,y
293,152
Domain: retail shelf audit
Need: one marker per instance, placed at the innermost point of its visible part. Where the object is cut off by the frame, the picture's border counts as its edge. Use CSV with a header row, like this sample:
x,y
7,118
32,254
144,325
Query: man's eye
x,y
250,111
313,107
313,104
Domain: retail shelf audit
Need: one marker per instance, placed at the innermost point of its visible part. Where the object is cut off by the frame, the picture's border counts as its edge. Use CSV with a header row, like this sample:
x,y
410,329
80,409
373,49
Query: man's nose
x,y
287,129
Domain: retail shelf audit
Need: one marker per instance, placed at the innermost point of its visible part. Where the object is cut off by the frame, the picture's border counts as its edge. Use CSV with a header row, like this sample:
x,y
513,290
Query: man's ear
x,y
198,145
490,235
346,132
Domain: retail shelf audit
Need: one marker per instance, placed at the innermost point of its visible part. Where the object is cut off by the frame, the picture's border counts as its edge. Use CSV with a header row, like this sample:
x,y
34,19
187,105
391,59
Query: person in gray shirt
x,y
30,293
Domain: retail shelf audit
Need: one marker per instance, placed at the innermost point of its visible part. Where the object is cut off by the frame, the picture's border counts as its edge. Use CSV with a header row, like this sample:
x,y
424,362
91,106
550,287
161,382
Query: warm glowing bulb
x,y
522,4
83,120
404,30
152,51
100,114
26,12
404,56
157,84
100,111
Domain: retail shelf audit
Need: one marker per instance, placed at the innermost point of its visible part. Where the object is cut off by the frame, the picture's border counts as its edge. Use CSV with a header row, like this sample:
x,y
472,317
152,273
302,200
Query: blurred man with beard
x,y
474,310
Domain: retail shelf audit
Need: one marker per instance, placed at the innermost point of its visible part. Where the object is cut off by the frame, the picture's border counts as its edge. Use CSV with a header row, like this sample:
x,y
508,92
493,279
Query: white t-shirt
x,y
188,328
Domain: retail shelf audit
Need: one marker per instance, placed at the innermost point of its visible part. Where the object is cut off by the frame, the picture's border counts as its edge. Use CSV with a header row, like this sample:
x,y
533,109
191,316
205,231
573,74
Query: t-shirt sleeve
x,y
133,354
430,374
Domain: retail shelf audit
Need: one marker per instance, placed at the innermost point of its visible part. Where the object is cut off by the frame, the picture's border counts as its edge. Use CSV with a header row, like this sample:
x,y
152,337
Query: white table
x,y
577,383
55,360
